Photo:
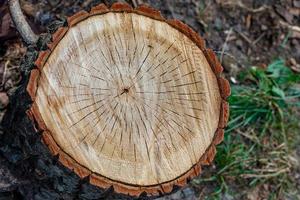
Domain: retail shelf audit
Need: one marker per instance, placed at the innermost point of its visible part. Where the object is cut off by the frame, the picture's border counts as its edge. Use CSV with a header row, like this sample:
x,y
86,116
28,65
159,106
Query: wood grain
x,y
133,99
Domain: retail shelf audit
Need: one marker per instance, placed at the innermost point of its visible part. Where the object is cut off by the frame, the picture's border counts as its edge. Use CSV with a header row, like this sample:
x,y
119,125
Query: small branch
x,y
136,3
291,27
246,38
225,44
20,22
259,38
243,6
267,175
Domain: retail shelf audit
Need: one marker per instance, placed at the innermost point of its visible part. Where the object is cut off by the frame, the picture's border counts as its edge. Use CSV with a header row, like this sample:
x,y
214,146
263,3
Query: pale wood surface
x,y
129,98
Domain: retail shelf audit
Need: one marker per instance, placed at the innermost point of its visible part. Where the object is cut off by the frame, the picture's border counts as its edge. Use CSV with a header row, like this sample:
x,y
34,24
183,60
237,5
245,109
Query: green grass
x,y
261,134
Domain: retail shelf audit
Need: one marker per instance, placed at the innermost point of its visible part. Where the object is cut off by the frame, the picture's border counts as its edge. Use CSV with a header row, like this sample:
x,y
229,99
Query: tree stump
x,y
129,99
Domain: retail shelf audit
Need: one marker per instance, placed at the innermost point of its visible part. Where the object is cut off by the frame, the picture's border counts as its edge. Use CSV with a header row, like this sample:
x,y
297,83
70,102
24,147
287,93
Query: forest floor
x,y
260,157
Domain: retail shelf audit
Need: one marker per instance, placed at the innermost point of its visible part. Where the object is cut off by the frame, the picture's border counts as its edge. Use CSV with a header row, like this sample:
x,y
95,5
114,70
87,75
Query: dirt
x,y
242,33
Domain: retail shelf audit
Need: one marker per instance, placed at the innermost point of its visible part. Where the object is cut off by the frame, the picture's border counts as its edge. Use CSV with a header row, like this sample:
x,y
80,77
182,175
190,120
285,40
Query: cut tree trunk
x,y
125,99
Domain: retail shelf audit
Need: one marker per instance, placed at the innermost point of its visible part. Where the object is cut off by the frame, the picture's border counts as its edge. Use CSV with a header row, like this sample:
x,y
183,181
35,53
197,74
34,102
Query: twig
x,y
225,44
170,8
4,73
244,37
248,136
291,27
259,38
135,4
269,175
256,10
20,22
243,6
229,55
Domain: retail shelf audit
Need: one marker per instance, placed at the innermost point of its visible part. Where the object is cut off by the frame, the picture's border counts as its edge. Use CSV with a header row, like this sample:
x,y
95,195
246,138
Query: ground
x,y
243,33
